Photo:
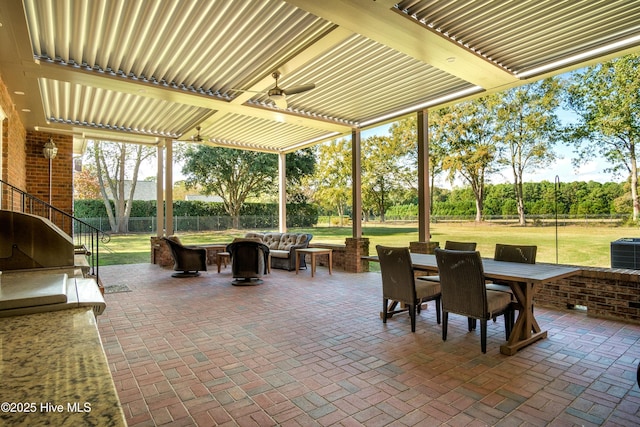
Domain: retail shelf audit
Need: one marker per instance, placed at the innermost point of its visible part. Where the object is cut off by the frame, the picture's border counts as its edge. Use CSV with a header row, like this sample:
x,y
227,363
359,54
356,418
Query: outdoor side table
x,y
222,258
212,251
314,252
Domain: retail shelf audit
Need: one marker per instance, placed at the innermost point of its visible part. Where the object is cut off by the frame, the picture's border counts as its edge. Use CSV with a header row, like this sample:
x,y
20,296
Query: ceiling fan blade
x,y
298,89
280,101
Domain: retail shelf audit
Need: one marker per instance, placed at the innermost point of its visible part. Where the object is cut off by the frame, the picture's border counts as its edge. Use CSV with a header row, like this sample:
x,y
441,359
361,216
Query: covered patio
x,y
313,351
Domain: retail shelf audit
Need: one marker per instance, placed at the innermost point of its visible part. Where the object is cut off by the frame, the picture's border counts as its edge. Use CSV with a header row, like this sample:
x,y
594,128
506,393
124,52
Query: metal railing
x,y
86,237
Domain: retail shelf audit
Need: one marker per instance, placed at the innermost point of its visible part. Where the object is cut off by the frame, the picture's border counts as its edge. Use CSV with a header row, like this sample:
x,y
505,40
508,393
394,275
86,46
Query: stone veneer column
x,y
356,248
423,247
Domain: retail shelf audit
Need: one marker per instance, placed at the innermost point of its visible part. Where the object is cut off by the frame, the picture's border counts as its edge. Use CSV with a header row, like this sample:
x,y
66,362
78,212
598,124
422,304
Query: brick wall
x,y
423,247
61,170
355,249
160,252
338,254
24,165
605,292
13,143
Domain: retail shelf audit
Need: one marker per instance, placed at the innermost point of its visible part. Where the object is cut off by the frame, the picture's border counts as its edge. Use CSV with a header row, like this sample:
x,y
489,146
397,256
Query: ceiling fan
x,y
279,95
197,137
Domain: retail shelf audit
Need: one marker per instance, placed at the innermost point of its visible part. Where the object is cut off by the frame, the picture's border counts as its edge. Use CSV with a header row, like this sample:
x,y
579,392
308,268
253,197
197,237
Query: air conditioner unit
x,y
625,253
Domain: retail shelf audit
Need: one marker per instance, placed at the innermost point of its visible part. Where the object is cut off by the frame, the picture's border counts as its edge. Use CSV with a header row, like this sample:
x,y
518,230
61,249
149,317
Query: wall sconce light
x,y
50,150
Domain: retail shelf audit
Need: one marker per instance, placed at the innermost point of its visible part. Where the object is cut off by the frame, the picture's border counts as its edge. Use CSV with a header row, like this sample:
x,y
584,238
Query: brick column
x,y
355,249
423,247
160,252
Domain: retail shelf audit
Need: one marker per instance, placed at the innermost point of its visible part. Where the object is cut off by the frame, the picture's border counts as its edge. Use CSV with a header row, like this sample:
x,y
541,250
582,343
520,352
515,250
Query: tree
x,y
332,178
113,162
404,134
299,164
384,170
233,175
85,184
606,98
179,190
528,128
467,133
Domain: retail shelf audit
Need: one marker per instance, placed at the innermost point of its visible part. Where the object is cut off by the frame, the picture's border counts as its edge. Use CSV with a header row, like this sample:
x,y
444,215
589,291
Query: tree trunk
x,y
478,210
634,186
520,202
477,184
123,226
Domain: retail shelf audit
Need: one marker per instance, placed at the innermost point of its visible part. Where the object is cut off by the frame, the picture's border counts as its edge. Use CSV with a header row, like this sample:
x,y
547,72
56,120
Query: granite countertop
x,y
54,371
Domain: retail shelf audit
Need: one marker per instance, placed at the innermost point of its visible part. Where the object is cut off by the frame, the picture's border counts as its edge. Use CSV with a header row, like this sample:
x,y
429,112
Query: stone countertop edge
x,y
54,371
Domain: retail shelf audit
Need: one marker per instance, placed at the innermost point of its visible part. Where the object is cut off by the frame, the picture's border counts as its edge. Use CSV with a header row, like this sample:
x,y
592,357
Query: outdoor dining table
x,y
525,280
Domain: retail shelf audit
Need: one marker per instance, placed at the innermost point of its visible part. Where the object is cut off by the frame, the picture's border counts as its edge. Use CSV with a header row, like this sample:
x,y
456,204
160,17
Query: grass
x,y
585,245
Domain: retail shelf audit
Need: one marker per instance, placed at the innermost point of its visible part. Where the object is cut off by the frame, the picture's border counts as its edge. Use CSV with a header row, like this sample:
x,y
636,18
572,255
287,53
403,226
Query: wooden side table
x,y
314,252
212,251
222,258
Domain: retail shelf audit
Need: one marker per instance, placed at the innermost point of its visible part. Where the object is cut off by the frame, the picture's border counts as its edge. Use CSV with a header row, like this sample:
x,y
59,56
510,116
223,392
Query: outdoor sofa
x,y
282,247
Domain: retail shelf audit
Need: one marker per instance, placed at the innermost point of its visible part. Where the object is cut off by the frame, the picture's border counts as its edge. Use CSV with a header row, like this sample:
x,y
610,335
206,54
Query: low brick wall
x,y
423,247
347,256
160,252
605,292
337,255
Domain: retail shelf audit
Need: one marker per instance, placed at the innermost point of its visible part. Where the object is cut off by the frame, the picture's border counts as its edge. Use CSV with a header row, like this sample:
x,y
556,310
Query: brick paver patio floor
x,y
297,351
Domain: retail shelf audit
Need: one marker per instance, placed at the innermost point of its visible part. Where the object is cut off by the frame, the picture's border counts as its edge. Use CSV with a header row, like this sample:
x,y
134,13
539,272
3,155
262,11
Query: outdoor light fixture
x,y
50,150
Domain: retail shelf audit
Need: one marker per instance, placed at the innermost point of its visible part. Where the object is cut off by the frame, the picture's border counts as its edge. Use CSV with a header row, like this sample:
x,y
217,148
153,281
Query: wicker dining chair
x,y
463,289
525,254
454,246
399,284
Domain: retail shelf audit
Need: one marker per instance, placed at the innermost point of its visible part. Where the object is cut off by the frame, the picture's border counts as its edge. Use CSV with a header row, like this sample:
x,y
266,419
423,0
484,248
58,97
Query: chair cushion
x,y
426,289
290,239
497,301
255,236
277,253
272,240
499,287
429,278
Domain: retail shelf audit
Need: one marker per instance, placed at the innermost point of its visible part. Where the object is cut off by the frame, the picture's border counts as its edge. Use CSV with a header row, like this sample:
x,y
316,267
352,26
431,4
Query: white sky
x,y
562,167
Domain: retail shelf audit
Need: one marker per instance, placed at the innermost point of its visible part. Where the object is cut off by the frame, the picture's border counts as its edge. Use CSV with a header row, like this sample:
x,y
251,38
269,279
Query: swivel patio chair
x,y
464,292
399,284
249,261
187,261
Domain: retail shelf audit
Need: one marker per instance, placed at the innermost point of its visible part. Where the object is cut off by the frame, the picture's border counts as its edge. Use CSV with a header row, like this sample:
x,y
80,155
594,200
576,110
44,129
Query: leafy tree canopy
x,y
606,98
233,175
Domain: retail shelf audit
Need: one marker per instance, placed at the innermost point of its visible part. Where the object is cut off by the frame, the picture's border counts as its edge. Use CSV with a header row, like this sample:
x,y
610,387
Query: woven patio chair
x,y
399,284
463,289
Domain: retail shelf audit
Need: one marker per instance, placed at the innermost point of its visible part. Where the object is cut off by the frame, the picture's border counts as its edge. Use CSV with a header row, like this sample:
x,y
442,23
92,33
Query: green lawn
x,y
586,245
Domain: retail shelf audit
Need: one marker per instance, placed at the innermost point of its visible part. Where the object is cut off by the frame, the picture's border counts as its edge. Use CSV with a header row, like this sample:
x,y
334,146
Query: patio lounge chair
x,y
249,261
187,261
